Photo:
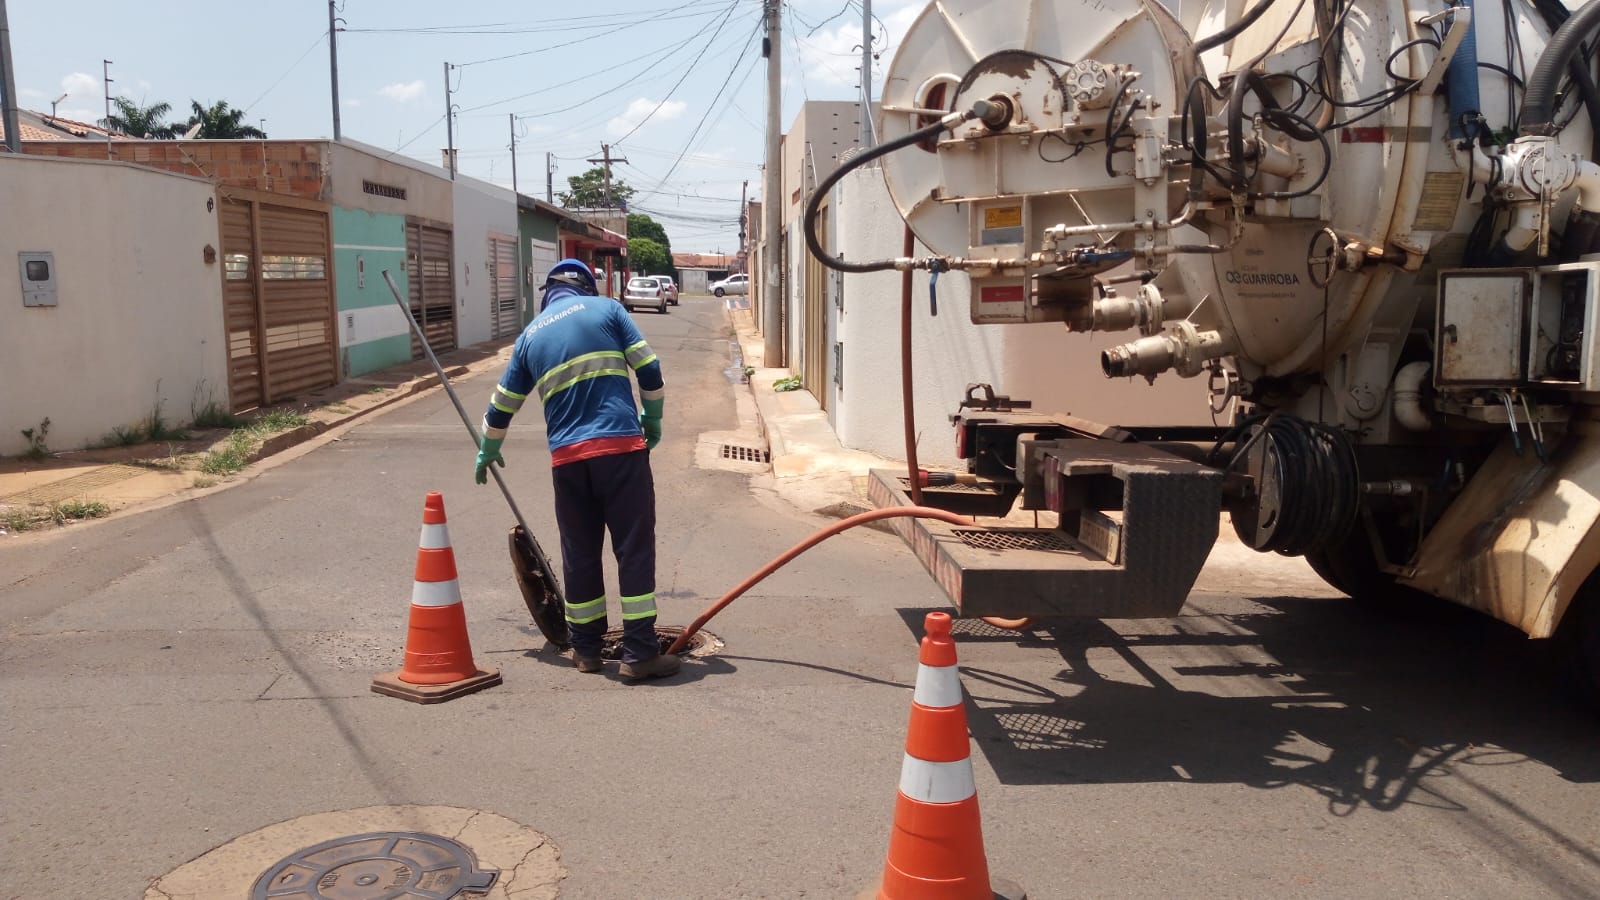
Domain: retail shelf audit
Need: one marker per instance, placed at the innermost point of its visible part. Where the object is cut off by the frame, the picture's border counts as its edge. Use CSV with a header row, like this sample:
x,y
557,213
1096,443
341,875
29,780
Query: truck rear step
x,y
1137,524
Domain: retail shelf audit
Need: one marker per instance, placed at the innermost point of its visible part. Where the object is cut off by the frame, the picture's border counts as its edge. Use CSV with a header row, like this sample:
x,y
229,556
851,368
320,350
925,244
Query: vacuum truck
x,y
1372,225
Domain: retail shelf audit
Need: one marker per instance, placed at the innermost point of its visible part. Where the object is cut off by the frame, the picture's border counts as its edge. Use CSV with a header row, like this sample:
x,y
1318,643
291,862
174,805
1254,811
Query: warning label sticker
x,y
1002,217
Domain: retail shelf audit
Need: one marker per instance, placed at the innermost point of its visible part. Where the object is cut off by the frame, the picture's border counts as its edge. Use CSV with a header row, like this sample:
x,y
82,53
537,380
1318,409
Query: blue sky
x,y
573,82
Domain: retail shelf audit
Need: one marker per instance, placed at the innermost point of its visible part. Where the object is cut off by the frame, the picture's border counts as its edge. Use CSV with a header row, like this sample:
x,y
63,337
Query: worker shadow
x,y
1362,709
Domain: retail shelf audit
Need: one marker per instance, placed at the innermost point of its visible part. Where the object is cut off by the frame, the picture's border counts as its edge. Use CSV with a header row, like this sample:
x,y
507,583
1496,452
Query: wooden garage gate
x,y
504,297
277,296
433,289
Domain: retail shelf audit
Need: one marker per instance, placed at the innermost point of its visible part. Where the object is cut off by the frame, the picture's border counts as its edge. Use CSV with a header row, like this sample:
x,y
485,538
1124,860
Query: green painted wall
x,y
373,332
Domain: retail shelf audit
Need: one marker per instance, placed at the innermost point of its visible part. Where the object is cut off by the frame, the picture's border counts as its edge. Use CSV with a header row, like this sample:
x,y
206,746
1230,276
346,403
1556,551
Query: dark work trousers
x,y
615,493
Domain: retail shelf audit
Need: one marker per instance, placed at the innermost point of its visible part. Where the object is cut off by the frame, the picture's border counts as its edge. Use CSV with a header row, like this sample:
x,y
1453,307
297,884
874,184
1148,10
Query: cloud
x,y
404,93
30,93
639,109
81,86
831,57
352,103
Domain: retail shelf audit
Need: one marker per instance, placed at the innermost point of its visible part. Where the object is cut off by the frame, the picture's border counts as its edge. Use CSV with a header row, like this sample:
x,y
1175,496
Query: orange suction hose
x,y
817,537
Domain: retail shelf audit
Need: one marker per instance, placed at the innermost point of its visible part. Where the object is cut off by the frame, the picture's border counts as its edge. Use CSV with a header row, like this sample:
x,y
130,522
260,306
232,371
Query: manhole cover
x,y
744,454
377,866
701,643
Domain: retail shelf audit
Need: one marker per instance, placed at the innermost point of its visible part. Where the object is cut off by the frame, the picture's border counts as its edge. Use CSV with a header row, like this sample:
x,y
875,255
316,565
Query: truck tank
x,y
1374,226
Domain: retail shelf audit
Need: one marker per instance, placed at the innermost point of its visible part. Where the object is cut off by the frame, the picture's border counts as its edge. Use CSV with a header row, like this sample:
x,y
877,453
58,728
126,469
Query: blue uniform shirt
x,y
575,356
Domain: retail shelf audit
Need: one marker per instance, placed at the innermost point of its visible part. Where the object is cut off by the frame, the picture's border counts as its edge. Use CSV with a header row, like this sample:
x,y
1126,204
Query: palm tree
x,y
221,121
141,122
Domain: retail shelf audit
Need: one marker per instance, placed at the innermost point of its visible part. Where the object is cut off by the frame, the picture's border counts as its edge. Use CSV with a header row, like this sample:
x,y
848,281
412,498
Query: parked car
x,y
645,290
668,287
733,284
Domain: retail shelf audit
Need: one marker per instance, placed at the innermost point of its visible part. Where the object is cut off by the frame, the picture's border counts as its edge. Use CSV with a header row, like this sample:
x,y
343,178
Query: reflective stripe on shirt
x,y
640,354
589,365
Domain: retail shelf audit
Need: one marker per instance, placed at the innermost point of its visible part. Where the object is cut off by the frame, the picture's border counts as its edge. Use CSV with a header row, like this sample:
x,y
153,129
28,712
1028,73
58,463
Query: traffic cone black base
x,y
389,684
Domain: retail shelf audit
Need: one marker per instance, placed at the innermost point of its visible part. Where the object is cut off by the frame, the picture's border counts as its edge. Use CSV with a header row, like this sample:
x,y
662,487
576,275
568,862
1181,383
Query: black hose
x,y
814,205
1538,105
1227,34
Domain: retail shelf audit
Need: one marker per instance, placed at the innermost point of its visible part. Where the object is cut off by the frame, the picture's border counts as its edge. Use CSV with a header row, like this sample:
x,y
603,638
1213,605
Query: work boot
x,y
588,665
659,666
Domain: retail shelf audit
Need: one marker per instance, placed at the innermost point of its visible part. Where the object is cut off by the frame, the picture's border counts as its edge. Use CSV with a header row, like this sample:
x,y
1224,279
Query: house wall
x,y
693,281
480,209
139,320
1058,371
373,330
292,168
427,188
538,249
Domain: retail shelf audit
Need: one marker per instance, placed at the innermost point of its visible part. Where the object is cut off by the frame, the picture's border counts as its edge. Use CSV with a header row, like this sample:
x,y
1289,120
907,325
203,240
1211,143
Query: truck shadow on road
x,y
1365,709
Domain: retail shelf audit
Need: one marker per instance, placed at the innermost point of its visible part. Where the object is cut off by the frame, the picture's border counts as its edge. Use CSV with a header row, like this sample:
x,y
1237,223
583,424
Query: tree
x,y
647,257
141,121
642,226
220,121
589,191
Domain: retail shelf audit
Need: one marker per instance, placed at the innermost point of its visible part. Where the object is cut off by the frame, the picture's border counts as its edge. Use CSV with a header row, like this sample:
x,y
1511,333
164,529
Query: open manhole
x,y
701,644
380,865
744,454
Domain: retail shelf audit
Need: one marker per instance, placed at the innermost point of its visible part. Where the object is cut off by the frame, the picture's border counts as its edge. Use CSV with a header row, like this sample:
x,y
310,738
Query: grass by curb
x,y
28,518
234,453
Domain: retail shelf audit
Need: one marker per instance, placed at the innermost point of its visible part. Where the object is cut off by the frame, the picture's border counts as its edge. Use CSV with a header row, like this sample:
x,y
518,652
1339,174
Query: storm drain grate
x,y
1016,539
744,454
376,866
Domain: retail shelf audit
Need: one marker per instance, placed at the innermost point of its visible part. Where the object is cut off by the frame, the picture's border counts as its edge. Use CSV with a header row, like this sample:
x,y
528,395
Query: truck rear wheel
x,y
1350,566
1578,642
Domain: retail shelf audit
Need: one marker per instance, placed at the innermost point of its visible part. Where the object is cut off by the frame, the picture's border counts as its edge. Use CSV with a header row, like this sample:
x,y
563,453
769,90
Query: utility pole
x,y
333,66
608,159
771,293
105,73
513,117
549,177
8,86
744,214
449,127
866,74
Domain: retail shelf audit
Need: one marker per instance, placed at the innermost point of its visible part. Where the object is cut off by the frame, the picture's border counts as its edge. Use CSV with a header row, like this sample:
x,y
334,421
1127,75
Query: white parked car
x,y
733,284
645,291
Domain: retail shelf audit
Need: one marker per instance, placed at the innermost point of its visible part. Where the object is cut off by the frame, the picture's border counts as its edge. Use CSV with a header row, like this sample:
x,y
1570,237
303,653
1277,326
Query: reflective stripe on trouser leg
x,y
628,492
584,613
583,533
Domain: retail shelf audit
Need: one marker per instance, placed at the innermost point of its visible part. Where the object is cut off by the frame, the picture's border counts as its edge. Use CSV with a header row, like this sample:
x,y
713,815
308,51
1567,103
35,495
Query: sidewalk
x,y
74,484
811,470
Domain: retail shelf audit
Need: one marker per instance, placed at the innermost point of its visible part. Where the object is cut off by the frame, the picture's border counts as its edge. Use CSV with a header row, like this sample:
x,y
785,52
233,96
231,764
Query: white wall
x,y
480,209
139,319
1057,370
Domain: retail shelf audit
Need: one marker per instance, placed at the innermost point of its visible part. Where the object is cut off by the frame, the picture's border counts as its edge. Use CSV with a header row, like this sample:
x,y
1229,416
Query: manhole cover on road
x,y
376,866
701,643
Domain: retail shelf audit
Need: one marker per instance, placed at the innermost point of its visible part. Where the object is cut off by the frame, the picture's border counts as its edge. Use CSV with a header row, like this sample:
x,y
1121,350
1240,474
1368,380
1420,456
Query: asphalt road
x,y
172,680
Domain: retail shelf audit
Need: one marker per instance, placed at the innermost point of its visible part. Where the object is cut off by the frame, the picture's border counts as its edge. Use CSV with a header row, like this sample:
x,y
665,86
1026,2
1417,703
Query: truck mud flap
x,y
1136,526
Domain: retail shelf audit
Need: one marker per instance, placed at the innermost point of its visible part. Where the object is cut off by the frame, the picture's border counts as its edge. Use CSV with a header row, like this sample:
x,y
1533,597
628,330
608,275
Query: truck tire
x,y
1351,567
1578,644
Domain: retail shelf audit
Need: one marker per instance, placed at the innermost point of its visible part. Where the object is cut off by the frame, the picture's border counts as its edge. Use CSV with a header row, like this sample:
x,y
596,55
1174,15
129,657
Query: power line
x,y
731,72
292,66
720,25
648,57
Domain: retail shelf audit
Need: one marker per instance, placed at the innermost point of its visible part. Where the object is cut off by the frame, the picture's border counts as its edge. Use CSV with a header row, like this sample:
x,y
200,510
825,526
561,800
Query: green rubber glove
x,y
488,452
650,421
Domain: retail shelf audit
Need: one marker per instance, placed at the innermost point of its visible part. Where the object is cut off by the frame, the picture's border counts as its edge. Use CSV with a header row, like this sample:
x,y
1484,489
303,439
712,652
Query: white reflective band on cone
x,y
938,687
435,593
937,782
434,537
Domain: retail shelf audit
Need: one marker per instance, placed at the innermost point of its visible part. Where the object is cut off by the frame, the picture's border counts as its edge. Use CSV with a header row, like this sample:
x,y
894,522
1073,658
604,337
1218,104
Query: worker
x,y
576,355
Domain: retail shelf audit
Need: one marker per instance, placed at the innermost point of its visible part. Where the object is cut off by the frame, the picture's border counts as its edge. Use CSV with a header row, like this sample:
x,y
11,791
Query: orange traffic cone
x,y
936,847
438,662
